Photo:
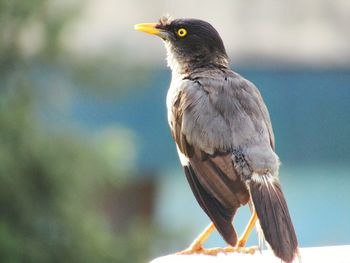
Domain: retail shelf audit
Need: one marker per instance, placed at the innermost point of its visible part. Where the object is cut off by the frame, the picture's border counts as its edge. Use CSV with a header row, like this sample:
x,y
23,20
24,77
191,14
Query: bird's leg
x,y
240,247
243,239
197,244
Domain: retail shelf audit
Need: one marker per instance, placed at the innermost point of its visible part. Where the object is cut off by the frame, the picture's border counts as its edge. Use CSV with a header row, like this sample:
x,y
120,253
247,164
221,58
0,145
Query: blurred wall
x,y
313,33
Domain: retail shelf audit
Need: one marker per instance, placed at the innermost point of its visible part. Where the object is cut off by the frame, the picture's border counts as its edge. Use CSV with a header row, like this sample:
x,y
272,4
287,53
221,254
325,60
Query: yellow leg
x,y
197,244
243,239
240,247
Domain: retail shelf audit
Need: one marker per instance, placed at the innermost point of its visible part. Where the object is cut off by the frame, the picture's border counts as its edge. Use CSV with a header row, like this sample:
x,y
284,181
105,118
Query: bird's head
x,y
190,43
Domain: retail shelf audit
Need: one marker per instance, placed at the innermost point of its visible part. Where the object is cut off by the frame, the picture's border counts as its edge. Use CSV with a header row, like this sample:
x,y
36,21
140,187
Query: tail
x,y
271,208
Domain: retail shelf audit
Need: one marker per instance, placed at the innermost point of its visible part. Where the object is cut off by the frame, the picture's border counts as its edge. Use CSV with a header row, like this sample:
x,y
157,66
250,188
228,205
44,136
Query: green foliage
x,y
52,179
50,183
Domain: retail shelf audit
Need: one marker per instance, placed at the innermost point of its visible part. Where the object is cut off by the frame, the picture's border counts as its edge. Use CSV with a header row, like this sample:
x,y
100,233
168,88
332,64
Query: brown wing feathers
x,y
220,216
217,188
227,192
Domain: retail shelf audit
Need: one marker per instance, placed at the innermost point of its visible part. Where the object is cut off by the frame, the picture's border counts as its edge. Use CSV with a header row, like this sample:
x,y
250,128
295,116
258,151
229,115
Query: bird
x,y
224,139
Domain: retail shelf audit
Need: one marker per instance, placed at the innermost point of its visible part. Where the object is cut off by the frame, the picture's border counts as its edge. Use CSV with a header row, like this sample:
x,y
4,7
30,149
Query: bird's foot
x,y
246,250
193,249
236,249
201,250
197,245
214,251
241,248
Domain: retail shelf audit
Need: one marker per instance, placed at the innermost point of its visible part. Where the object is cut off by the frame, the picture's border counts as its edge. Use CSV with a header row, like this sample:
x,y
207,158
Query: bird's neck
x,y
187,65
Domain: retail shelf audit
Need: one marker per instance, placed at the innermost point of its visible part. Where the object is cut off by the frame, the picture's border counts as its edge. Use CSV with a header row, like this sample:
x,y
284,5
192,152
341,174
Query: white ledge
x,y
332,254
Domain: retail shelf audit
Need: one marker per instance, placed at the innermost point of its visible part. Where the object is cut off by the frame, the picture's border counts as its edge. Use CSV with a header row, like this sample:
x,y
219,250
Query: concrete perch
x,y
332,254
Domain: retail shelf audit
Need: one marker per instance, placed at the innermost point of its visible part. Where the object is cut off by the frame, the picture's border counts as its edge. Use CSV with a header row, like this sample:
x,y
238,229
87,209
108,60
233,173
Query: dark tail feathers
x,y
273,214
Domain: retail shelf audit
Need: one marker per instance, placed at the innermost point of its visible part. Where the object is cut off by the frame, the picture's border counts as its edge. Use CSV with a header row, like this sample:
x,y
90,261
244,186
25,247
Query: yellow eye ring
x,y
182,32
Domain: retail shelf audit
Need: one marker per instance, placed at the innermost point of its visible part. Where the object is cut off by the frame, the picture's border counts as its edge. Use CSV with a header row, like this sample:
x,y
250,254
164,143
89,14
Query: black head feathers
x,y
192,43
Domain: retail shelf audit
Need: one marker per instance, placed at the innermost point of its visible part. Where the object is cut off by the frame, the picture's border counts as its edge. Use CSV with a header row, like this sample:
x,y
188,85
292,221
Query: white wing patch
x,y
183,158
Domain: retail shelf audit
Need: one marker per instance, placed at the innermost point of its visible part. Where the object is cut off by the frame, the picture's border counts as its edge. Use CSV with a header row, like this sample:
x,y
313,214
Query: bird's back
x,y
225,112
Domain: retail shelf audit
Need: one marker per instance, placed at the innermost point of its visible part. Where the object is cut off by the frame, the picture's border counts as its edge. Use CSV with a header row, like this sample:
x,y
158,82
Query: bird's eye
x,y
182,32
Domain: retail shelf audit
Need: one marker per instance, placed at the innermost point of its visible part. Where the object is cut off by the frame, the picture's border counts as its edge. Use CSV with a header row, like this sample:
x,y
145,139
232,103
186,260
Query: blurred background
x,y
88,169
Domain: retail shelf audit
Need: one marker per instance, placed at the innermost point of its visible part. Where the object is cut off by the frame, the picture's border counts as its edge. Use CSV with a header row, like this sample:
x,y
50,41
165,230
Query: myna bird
x,y
224,138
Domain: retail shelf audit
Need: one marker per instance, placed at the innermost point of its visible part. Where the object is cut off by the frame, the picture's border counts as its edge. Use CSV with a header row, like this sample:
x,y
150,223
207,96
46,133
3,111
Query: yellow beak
x,y
149,28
